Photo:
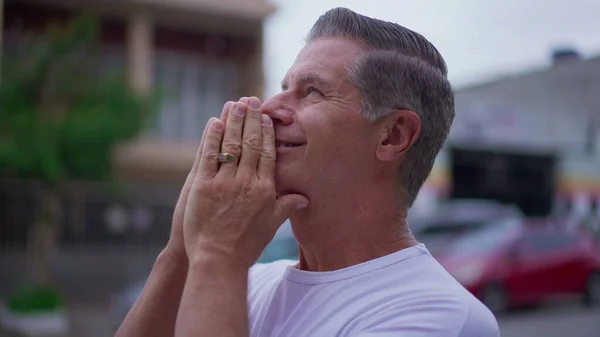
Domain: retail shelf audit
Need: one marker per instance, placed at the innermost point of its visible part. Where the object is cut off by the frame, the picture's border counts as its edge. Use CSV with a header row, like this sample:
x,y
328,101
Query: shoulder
x,y
426,301
433,314
480,322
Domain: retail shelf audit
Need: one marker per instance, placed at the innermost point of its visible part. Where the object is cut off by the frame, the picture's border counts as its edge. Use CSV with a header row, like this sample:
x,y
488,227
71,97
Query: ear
x,y
400,130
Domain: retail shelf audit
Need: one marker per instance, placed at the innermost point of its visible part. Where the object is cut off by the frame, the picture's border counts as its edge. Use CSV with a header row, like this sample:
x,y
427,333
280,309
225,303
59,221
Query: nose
x,y
276,108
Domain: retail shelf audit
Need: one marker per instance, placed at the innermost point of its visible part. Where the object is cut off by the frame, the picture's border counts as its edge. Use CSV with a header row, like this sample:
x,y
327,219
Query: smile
x,y
279,144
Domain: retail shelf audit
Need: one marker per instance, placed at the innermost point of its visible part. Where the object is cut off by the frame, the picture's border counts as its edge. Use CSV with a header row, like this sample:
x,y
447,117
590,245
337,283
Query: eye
x,y
313,91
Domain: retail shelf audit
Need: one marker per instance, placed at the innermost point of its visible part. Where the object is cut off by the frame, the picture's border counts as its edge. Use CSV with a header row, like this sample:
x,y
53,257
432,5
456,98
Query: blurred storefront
x,y
533,137
201,53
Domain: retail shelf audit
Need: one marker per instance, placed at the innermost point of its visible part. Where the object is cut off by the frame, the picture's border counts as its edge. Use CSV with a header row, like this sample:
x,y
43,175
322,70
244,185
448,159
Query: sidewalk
x,y
88,276
86,321
90,321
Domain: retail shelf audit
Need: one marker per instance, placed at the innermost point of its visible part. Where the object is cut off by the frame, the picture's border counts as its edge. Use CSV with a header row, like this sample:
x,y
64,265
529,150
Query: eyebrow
x,y
306,79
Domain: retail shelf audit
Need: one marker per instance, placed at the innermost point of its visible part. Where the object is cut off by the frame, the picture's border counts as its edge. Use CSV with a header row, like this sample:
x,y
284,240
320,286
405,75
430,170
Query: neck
x,y
345,229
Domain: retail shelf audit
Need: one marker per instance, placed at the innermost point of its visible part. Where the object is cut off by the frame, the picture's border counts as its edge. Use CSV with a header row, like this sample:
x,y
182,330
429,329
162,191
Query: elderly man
x,y
342,151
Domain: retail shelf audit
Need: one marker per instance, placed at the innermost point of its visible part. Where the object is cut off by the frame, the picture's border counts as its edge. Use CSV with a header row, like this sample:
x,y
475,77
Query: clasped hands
x,y
230,211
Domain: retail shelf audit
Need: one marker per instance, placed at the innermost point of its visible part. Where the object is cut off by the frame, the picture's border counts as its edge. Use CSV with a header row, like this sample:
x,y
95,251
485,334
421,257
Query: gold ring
x,y
227,158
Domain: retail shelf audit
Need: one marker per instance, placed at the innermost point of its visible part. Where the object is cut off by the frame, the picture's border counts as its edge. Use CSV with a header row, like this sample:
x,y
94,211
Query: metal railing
x,y
92,213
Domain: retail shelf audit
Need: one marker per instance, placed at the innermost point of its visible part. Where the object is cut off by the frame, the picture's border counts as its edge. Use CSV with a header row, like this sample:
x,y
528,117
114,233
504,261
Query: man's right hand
x,y
175,249
155,311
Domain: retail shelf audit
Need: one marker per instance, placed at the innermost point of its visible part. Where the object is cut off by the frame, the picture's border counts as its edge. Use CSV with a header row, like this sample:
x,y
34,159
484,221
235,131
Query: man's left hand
x,y
232,211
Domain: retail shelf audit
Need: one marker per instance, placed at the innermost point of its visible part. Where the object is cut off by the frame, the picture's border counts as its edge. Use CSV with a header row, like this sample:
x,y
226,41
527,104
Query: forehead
x,y
327,57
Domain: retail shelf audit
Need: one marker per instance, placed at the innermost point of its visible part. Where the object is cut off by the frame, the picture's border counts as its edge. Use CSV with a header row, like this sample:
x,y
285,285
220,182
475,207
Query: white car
x,y
457,217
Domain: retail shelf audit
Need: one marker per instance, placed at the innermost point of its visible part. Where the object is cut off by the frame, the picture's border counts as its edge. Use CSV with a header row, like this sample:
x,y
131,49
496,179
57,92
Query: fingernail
x,y
301,206
266,120
254,103
218,124
239,109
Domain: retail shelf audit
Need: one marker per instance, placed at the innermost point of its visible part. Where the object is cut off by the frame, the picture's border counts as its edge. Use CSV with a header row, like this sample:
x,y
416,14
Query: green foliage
x,y
60,116
34,299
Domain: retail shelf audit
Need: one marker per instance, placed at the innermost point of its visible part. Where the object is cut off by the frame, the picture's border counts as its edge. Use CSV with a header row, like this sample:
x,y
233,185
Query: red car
x,y
512,263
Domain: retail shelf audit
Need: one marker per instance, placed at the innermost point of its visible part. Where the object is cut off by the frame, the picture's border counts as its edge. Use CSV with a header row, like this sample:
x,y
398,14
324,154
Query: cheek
x,y
342,142
334,132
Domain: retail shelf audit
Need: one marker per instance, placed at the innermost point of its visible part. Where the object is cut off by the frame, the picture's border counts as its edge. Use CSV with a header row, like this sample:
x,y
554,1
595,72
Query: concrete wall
x,y
545,110
548,110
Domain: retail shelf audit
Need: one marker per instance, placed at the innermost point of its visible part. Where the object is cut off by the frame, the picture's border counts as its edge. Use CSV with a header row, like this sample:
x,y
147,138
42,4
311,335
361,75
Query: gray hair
x,y
400,70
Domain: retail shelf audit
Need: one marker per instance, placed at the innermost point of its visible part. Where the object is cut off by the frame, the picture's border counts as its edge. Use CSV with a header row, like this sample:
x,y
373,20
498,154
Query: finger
x,y
251,139
209,165
226,107
286,205
199,151
232,139
189,180
266,162
225,110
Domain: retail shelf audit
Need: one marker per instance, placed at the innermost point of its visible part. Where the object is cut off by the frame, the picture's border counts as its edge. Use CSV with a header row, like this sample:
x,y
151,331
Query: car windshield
x,y
484,239
437,235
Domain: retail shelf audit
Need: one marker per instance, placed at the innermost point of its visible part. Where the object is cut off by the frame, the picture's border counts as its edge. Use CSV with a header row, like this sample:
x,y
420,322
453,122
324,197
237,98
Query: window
x,y
168,78
195,89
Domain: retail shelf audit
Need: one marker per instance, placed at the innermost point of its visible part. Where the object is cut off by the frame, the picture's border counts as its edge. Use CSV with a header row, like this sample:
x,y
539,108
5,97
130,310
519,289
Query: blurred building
x,y
532,139
200,52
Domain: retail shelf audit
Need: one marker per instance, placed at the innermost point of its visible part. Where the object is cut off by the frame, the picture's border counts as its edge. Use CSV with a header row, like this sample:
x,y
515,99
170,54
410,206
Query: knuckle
x,y
224,188
268,140
253,142
210,154
266,190
203,186
232,146
268,135
268,154
248,191
214,136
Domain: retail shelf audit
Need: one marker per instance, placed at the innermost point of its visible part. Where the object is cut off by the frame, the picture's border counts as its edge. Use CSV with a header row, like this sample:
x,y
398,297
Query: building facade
x,y
201,53
550,113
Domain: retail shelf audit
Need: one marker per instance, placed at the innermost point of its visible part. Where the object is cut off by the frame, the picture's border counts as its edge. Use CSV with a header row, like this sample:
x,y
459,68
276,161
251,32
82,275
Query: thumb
x,y
287,204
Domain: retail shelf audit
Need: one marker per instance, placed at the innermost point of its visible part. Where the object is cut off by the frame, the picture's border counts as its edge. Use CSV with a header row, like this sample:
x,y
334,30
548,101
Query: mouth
x,y
283,144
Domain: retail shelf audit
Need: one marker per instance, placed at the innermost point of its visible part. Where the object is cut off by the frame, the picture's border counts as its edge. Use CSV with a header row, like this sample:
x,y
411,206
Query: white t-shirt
x,y
404,294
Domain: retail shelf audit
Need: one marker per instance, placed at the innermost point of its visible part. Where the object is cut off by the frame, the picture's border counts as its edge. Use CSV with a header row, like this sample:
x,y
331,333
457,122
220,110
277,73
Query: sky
x,y
479,39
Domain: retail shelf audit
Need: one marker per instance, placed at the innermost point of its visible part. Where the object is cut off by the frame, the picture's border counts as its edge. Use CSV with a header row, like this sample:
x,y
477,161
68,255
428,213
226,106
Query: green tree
x,y
60,119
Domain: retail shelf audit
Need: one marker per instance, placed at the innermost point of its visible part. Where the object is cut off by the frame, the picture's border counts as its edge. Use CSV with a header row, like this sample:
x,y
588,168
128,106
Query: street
x,y
569,320
555,321
89,288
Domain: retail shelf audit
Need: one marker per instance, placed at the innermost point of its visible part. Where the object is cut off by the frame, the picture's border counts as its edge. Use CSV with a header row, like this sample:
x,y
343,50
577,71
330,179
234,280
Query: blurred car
x,y
122,302
515,263
457,217
283,246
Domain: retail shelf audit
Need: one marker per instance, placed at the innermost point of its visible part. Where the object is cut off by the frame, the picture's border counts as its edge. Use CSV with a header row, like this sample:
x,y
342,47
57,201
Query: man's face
x,y
322,140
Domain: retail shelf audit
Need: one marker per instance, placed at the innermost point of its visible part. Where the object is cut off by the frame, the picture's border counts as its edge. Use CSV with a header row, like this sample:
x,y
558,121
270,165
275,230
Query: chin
x,y
288,180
